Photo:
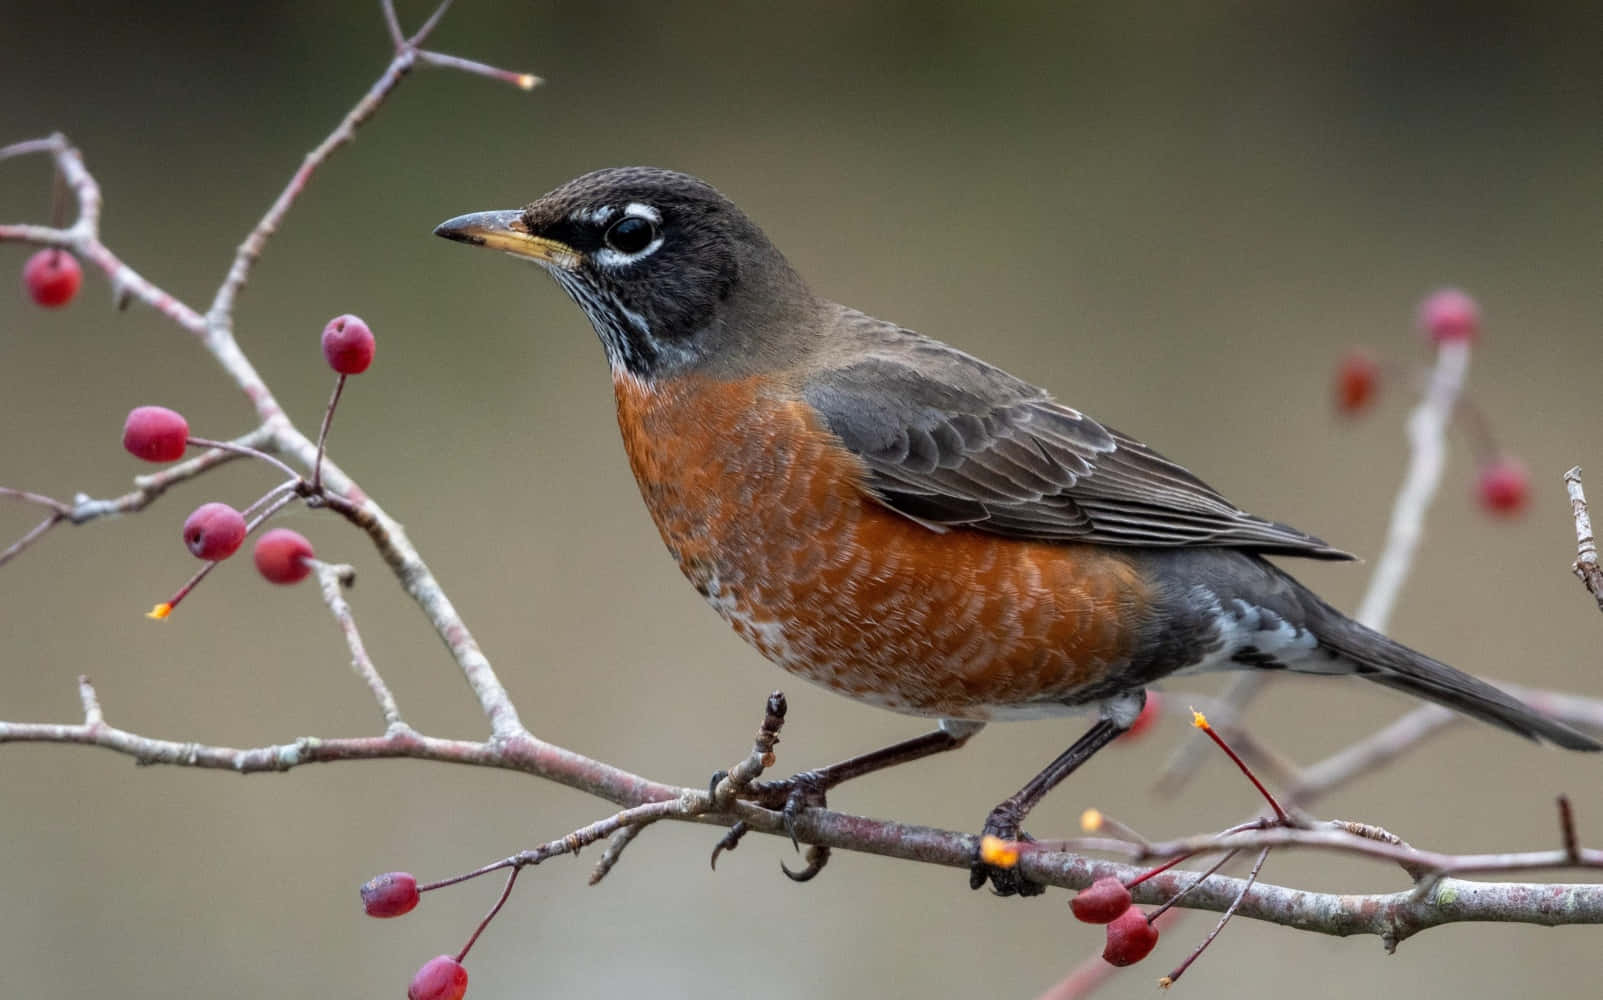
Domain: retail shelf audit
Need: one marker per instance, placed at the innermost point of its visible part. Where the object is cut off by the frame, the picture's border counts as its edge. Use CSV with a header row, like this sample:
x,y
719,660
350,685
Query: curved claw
x,y
817,858
729,841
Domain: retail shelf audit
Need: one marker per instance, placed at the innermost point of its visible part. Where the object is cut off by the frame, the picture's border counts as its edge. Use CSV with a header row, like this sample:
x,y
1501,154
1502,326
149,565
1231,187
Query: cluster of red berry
x,y
395,894
1131,934
1502,484
215,531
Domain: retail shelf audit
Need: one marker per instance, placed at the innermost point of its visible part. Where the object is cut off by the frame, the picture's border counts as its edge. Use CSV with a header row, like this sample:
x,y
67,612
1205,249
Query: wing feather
x,y
950,441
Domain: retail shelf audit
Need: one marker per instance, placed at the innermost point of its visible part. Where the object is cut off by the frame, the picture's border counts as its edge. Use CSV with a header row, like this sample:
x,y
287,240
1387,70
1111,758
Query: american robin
x,y
899,521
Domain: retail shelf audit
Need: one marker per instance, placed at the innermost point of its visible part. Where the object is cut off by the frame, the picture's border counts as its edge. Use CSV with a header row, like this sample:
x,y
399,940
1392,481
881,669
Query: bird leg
x,y
1008,816
808,788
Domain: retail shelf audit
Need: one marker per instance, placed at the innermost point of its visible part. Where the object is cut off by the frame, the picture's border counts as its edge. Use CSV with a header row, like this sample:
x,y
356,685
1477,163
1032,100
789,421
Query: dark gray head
x,y
672,275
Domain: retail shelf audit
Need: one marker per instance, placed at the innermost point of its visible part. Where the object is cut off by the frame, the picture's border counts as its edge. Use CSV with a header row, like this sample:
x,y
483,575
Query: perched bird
x,y
899,521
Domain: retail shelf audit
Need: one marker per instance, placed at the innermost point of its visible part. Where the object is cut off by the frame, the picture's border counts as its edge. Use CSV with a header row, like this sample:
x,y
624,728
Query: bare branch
x,y
1393,916
392,23
83,236
523,81
1586,566
333,579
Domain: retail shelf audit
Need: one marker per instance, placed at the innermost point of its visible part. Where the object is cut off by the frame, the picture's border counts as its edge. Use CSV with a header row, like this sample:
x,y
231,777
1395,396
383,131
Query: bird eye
x,y
630,234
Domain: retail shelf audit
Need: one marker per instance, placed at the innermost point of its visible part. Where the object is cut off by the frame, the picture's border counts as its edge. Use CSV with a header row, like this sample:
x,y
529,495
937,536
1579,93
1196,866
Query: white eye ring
x,y
614,256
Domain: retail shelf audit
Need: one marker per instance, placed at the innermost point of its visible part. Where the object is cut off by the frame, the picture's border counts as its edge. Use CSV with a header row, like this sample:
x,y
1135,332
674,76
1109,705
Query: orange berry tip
x,y
1199,720
159,612
1091,820
998,852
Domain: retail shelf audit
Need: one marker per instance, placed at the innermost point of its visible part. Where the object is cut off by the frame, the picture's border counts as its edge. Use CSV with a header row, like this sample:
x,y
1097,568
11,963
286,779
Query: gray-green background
x,y
1177,216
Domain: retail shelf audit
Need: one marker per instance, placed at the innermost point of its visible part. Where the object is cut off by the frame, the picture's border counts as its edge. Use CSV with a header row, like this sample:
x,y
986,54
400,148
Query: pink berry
x,y
1102,902
1144,721
1131,937
1449,315
441,978
1356,378
52,277
1504,486
392,894
214,531
348,344
155,434
281,556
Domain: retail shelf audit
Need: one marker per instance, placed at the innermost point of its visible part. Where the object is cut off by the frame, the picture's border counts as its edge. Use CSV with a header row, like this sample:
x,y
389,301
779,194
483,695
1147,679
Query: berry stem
x,y
164,609
468,876
247,451
512,878
1199,880
271,495
1246,886
322,434
60,200
1201,722
1256,824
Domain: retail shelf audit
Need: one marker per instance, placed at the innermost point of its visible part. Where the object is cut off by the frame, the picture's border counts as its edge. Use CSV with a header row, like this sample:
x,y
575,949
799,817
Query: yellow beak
x,y
507,232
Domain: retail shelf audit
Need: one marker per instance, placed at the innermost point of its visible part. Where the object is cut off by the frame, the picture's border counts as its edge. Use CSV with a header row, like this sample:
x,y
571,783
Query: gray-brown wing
x,y
952,441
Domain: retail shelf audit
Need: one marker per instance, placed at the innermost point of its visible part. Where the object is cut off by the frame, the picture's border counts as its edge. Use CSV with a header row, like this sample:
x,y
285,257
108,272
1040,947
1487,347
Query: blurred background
x,y
1176,216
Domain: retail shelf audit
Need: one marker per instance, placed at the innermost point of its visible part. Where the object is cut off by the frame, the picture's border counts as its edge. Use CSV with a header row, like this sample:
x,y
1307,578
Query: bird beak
x,y
508,232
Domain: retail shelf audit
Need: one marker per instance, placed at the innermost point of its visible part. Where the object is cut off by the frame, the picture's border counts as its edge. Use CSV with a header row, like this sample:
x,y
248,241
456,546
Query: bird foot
x,y
791,797
1003,823
800,791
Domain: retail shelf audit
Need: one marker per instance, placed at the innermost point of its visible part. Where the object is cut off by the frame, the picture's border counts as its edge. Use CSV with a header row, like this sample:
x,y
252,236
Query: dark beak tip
x,y
452,229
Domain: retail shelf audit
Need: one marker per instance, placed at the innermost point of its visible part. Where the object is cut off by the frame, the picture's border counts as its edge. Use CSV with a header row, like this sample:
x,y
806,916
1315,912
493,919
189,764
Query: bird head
x,y
672,275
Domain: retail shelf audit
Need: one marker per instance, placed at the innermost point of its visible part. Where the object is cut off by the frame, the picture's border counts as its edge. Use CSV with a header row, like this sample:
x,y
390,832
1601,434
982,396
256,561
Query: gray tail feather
x,y
1384,661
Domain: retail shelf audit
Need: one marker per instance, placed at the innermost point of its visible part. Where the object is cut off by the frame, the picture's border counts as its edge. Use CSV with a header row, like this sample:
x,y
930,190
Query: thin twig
x,y
1566,826
429,25
1586,565
333,580
615,848
392,23
523,81
1252,877
32,535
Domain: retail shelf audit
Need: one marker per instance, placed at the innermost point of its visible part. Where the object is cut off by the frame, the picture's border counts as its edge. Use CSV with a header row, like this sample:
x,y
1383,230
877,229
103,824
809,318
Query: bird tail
x,y
1384,661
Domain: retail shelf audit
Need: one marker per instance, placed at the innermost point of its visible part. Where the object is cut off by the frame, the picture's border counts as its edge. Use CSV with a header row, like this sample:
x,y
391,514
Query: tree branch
x,y
1586,567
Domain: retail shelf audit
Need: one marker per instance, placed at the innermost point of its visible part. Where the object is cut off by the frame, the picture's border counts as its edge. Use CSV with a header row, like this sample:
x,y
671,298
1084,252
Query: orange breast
x,y
761,507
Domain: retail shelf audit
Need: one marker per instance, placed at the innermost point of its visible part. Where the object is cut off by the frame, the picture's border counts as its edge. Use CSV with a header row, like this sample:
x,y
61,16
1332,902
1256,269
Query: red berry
x,y
1102,902
155,434
1449,315
1131,937
348,344
52,277
281,556
214,531
1148,715
441,978
1504,486
392,894
1356,379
